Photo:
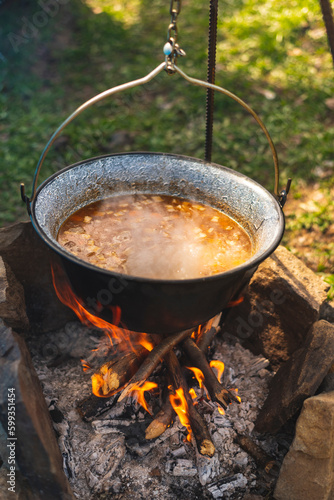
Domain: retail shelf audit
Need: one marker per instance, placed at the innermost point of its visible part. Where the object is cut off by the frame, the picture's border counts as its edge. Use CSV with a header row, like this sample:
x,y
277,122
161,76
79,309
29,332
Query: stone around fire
x,y
37,455
283,300
298,378
30,260
308,469
12,303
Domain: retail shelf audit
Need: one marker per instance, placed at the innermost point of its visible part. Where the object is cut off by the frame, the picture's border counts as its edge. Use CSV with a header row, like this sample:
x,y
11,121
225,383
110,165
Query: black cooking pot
x,y
155,305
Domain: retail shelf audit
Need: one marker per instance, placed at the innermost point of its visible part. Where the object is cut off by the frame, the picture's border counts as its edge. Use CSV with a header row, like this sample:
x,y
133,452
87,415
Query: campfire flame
x,y
145,342
180,405
116,335
192,393
234,303
68,298
198,374
219,366
200,379
196,333
97,383
138,393
238,397
125,342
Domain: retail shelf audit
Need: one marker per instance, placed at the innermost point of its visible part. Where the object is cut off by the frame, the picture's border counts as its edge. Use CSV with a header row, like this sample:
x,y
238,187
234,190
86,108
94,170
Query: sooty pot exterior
x,y
149,305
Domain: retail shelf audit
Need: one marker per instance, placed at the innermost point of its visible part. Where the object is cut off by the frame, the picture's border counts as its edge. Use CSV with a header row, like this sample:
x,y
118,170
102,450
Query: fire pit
x,y
103,440
131,358
109,452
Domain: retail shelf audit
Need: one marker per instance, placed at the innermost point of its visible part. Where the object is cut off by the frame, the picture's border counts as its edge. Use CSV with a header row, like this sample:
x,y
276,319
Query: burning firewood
x,y
208,332
216,391
162,420
164,417
113,375
153,359
195,421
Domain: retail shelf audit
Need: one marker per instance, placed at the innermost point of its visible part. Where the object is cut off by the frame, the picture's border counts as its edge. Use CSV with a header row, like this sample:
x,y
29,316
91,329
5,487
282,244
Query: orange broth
x,y
155,236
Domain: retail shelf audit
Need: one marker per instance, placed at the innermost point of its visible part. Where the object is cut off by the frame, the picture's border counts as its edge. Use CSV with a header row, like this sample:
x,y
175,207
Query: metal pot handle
x,y
281,196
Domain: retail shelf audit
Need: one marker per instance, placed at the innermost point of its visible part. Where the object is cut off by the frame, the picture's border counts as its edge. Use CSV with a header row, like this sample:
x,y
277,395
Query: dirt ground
x,y
310,227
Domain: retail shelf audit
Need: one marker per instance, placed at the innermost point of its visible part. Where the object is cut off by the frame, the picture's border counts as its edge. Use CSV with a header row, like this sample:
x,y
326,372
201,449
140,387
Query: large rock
x,y
298,378
22,488
307,472
327,311
30,260
38,458
283,300
12,303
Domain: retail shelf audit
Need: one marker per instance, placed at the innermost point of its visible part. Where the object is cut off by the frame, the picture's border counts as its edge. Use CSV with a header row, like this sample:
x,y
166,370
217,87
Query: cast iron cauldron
x,y
155,305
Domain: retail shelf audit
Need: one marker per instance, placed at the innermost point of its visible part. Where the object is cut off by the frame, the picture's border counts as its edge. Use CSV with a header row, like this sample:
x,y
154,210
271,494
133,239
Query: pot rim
x,y
255,260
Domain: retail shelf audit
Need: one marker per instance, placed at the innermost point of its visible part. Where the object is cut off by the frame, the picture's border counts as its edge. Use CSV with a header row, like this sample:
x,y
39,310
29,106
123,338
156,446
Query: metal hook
x,y
284,193
25,198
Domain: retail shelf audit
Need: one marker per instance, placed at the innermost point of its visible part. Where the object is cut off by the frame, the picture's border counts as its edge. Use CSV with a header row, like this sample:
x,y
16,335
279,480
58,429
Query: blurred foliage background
x,y
271,53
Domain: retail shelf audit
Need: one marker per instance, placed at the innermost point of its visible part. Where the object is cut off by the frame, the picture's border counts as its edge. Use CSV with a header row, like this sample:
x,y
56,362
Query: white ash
x,y
109,457
221,489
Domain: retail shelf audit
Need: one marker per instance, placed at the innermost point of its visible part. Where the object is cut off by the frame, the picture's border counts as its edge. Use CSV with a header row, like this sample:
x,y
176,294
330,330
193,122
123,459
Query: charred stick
x,y
162,420
217,392
264,460
201,434
206,339
93,406
153,359
164,417
209,332
112,376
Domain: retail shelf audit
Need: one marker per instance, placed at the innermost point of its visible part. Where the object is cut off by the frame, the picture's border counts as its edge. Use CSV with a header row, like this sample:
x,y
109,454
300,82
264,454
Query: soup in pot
x,y
155,236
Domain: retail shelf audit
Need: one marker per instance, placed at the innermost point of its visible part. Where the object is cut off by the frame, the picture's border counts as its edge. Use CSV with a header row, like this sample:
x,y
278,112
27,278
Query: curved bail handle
x,y
281,196
85,105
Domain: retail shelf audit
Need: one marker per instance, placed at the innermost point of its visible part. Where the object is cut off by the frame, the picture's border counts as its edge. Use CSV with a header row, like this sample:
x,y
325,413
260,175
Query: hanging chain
x,y
172,48
175,7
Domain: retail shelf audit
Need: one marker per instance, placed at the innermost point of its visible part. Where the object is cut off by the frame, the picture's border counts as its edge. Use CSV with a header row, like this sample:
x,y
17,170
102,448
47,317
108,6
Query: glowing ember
x,y
219,366
238,397
146,343
192,393
180,406
138,393
85,366
221,411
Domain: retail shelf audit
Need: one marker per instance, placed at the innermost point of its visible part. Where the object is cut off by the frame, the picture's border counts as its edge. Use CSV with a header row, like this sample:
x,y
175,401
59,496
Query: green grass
x,y
321,217
330,281
273,55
